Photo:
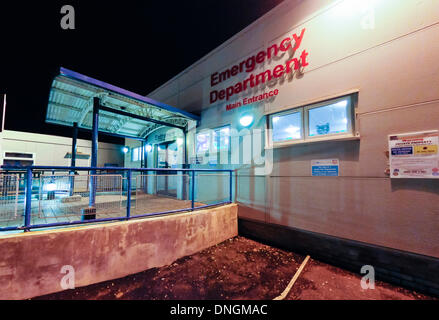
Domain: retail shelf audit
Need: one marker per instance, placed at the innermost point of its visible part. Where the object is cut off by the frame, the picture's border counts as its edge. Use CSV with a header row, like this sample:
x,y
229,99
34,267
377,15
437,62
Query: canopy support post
x,y
90,212
73,160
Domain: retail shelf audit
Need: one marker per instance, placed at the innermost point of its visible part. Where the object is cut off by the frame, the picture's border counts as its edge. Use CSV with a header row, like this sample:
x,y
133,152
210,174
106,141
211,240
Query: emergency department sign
x,y
414,155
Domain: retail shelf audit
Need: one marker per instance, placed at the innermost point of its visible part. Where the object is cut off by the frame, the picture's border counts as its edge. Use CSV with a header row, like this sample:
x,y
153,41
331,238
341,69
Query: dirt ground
x,y
238,268
320,281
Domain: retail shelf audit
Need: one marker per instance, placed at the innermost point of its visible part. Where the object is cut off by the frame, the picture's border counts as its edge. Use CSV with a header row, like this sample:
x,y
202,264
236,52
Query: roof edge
x,y
78,76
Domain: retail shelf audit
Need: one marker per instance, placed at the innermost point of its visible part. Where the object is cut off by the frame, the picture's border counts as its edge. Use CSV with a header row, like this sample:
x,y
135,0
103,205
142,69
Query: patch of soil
x,y
321,281
238,268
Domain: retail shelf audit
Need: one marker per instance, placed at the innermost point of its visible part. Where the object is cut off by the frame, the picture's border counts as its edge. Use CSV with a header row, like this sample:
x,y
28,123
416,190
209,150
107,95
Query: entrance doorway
x,y
167,157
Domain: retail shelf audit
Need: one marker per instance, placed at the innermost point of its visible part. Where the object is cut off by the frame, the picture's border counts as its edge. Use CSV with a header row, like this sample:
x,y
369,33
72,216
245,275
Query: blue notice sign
x,y
402,151
324,168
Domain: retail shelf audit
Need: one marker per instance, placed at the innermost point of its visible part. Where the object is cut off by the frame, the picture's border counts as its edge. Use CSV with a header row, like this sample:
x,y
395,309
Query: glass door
x,y
167,157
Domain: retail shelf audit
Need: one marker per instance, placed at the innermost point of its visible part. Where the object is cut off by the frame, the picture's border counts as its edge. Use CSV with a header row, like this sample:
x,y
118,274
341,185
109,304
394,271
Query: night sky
x,y
136,45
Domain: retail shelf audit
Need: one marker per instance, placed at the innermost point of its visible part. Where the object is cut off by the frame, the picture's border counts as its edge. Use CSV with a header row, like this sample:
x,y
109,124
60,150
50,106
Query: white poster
x,y
414,155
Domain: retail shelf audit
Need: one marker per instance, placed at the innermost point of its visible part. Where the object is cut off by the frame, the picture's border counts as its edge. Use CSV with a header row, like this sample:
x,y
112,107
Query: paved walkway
x,y
107,206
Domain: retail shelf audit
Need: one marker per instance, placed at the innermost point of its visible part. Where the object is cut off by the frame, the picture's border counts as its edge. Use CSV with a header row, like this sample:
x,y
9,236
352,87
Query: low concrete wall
x,y
30,263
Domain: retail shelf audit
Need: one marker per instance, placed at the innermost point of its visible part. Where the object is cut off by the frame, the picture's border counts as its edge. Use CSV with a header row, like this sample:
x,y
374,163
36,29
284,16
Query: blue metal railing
x,y
29,172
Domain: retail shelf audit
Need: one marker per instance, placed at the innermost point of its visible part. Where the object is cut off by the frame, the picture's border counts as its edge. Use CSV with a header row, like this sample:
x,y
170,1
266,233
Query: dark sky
x,y
136,45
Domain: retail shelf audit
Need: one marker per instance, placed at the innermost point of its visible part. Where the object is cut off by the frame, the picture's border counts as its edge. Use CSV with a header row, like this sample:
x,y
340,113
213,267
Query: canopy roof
x,y
124,113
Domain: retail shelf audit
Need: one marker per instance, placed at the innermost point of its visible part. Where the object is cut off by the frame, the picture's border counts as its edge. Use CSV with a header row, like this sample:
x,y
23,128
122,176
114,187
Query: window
x,y
18,155
329,119
136,154
214,145
18,159
221,139
213,140
326,120
287,126
203,142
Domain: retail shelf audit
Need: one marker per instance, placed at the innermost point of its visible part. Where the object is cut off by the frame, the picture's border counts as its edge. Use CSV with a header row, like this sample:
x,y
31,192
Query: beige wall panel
x,y
397,214
331,35
377,126
388,76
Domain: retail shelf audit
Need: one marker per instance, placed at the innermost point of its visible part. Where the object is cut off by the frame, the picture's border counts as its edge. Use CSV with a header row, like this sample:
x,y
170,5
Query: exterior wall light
x,y
125,149
246,120
179,141
148,148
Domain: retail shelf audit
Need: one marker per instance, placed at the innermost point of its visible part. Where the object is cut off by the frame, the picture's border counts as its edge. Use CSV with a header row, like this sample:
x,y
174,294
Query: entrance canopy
x,y
121,113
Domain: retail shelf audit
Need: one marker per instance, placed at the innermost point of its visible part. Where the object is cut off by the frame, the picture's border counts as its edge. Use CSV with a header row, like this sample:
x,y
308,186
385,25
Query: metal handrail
x,y
28,193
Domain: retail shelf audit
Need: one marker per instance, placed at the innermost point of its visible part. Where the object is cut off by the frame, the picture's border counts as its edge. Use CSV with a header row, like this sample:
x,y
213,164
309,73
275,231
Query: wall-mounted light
x,y
125,149
246,120
179,141
148,148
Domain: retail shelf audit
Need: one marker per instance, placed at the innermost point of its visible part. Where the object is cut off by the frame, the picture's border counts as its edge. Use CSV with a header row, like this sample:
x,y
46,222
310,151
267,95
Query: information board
x,y
414,155
324,168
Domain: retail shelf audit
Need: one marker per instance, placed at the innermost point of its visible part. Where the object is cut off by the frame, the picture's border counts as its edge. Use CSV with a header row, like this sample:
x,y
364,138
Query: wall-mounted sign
x,y
250,64
324,168
196,160
414,155
256,98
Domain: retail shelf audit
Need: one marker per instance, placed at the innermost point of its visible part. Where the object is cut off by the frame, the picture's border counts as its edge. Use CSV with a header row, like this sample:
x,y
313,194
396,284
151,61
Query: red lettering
x,y
245,83
262,77
260,57
278,71
213,78
224,75
250,64
234,70
252,77
241,66
298,39
296,64
282,46
238,87
221,94
274,46
303,58
213,96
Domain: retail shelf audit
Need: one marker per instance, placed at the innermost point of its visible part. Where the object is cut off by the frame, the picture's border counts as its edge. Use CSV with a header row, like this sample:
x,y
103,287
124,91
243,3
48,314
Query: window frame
x,y
139,154
304,109
285,113
218,129
213,152
33,158
349,113
198,153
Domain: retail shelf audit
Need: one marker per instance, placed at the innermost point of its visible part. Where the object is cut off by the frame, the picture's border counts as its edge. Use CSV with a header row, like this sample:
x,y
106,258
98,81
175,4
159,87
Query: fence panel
x,y
69,195
161,192
211,188
59,198
9,197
